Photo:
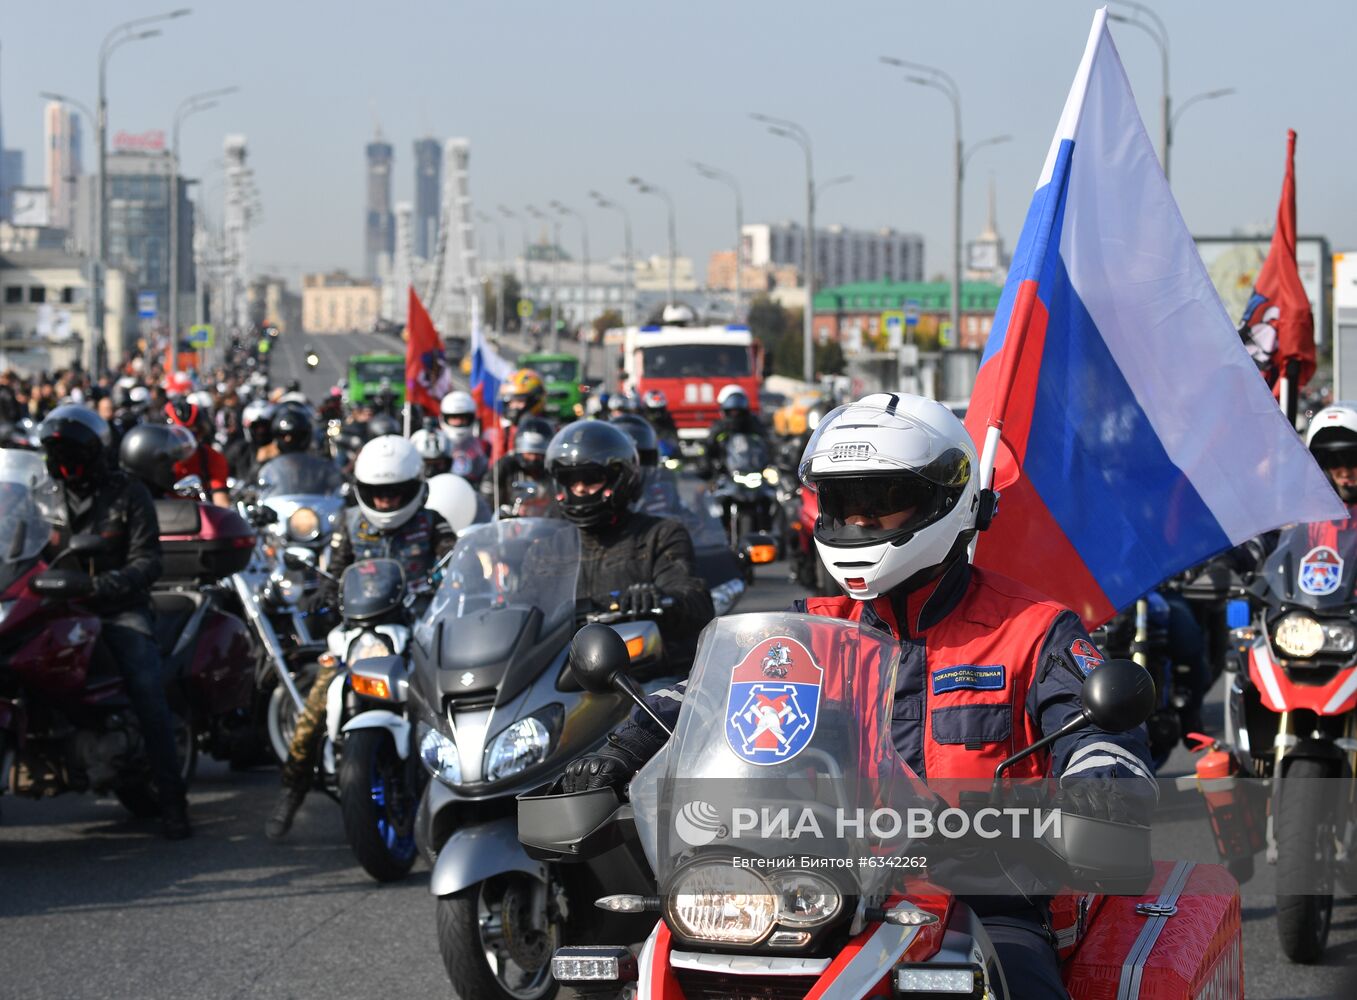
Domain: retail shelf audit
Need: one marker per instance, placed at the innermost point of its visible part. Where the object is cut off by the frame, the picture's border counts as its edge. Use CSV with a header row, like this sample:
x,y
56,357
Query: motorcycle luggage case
x,y
1182,939
201,542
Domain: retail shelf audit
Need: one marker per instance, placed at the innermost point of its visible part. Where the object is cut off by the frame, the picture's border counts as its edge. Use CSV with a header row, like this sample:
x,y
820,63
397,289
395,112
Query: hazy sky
x,y
561,97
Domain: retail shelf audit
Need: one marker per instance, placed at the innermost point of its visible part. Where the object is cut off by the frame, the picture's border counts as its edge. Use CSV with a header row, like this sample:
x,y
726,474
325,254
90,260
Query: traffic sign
x,y
146,305
891,324
525,308
911,312
200,335
945,337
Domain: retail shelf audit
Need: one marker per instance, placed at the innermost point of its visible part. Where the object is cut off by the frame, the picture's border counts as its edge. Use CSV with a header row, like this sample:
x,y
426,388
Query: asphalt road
x,y
334,350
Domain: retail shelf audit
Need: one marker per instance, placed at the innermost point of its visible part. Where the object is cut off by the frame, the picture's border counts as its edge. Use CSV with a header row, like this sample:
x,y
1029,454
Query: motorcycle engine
x,y
102,755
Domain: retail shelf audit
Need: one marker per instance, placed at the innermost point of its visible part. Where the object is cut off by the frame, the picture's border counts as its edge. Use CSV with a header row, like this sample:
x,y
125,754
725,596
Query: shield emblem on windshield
x,y
1321,571
773,702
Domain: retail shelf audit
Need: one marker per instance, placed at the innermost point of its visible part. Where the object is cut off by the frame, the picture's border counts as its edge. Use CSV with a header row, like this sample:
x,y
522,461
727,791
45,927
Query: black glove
x,y
1126,800
615,764
110,585
640,599
324,596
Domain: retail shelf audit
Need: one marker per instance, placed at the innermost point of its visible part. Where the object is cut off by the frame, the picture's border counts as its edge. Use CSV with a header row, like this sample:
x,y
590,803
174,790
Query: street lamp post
x,y
90,306
645,188
500,317
509,213
629,305
939,80
189,106
790,130
584,332
1159,32
713,174
118,36
1209,95
536,213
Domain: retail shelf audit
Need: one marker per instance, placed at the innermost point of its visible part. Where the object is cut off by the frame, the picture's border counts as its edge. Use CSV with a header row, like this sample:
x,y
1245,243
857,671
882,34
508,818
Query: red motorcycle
x,y
66,723
796,855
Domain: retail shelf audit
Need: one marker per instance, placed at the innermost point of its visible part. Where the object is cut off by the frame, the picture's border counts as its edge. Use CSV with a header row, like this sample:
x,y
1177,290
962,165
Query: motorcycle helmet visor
x,y
1344,457
459,419
870,509
389,496
586,479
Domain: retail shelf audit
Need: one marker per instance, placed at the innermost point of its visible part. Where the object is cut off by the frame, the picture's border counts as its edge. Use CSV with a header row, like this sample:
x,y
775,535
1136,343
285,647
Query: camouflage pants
x,y
310,733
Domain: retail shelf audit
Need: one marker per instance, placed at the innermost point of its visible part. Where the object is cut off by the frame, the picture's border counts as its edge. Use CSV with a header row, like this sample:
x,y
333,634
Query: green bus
x,y
561,375
370,373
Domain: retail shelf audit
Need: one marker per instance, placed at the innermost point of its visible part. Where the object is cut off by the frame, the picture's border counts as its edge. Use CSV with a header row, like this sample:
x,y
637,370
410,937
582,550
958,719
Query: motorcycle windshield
x,y
23,527
299,474
782,750
1315,565
522,563
371,587
661,496
746,453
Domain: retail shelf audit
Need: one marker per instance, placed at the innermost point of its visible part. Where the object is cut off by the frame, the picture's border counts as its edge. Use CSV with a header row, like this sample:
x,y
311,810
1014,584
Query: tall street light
x,y
727,178
537,213
189,106
939,80
500,315
90,308
1209,95
1156,30
509,213
786,129
645,188
128,31
629,305
584,332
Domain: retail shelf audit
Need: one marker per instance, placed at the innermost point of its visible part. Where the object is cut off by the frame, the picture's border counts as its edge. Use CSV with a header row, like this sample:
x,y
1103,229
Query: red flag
x,y
1277,325
427,378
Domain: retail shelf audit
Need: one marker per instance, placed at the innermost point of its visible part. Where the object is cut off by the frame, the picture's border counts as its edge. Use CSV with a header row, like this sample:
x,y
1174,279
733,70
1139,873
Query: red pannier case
x,y
1182,939
201,543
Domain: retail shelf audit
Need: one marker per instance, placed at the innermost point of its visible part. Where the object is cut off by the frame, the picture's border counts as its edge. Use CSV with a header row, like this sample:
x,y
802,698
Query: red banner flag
x,y
1277,325
427,378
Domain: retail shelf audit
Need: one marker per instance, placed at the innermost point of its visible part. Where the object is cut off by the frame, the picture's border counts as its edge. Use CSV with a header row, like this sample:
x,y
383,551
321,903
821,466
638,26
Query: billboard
x,y
1233,263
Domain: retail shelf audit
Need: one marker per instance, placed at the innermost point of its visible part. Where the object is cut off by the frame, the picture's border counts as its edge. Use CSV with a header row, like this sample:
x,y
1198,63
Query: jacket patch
x,y
1086,656
989,677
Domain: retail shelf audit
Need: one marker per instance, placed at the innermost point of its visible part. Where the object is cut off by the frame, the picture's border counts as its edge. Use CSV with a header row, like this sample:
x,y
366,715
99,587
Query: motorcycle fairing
x,y
1280,693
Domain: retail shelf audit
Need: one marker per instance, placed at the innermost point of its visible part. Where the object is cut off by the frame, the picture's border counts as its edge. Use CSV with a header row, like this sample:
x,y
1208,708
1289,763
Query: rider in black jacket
x,y
627,559
389,521
87,497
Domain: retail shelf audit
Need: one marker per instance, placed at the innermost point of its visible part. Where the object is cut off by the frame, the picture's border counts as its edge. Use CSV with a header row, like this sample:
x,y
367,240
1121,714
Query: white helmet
x,y
432,444
455,499
726,392
389,473
678,315
884,455
201,399
461,406
1332,439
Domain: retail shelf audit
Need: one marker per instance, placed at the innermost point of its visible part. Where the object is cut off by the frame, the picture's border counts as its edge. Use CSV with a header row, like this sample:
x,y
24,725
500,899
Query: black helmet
x,y
383,424
292,429
75,440
151,451
642,435
734,400
591,451
532,437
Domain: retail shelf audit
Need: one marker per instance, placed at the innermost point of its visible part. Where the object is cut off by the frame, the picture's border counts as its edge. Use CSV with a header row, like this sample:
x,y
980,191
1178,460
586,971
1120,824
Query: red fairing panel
x,y
1281,694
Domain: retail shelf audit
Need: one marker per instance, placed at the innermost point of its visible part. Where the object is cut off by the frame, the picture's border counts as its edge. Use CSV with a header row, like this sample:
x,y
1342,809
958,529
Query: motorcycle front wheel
x,y
489,943
378,804
281,711
1305,859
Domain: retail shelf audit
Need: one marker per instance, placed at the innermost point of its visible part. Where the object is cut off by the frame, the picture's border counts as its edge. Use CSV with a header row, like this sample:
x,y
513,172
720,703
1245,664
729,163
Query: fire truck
x,y
691,365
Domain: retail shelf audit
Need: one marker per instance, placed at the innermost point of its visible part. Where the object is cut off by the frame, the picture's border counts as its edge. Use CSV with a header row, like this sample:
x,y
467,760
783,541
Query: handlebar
x,y
615,614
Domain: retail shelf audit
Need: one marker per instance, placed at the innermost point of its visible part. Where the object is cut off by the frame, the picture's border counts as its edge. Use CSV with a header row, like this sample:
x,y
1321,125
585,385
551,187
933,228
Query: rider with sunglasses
x,y
987,665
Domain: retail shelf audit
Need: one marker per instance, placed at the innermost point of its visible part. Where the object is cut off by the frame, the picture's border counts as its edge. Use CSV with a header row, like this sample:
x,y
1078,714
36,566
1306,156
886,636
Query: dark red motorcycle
x,y
66,723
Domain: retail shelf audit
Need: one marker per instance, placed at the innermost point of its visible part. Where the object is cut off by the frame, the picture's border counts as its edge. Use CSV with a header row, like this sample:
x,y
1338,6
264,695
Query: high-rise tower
x,y
380,231
61,171
428,184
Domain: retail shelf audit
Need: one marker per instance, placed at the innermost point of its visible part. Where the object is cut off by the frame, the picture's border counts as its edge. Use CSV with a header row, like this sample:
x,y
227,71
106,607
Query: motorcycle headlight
x,y
521,745
1298,635
439,755
721,903
753,480
1339,637
304,524
805,899
368,646
771,475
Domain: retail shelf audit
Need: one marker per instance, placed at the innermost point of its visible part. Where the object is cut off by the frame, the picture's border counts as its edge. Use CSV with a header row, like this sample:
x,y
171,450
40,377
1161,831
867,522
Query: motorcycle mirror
x,y
293,559
87,545
67,584
1118,696
597,656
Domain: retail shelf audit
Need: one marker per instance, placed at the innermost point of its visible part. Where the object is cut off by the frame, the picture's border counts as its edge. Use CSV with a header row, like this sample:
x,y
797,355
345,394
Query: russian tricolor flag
x,y
1127,428
488,371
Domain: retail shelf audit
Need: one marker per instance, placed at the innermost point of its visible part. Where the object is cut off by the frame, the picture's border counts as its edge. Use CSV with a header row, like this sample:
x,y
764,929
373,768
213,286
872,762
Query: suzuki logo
x,y
467,678
851,451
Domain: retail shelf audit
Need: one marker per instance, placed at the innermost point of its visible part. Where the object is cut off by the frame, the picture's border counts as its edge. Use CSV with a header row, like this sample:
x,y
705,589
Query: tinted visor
x,y
1337,458
588,474
459,419
389,496
871,509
